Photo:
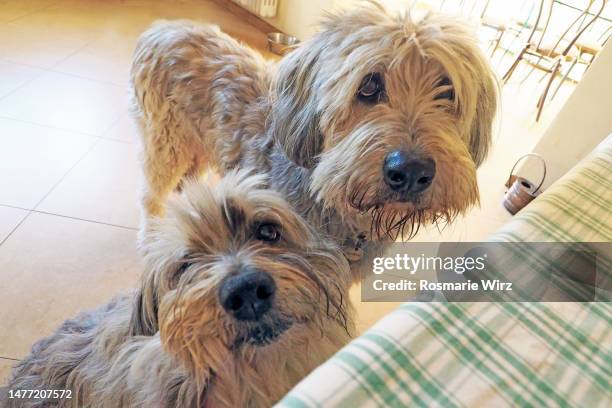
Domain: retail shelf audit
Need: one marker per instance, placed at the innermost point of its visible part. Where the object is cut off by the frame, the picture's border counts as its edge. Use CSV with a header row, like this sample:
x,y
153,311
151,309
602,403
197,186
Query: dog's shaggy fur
x,y
204,101
172,344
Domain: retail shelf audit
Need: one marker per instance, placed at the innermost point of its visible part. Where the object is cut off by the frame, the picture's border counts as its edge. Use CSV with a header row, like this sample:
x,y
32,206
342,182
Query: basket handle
x,y
543,168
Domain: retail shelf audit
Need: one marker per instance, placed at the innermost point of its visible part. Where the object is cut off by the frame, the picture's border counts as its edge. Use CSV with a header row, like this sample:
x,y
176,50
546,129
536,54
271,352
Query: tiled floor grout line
x,y
94,144
62,216
112,125
79,49
57,71
47,194
29,210
8,61
48,6
49,126
15,229
62,178
86,220
76,132
51,67
54,70
34,209
24,84
15,207
112,139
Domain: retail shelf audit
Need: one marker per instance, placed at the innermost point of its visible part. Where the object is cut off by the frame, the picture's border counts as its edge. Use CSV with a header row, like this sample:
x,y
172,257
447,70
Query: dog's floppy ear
x,y
482,124
295,124
475,83
144,313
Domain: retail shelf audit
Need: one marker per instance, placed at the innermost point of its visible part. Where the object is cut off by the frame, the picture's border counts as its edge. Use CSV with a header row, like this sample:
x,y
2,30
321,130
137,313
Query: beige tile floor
x,y
69,177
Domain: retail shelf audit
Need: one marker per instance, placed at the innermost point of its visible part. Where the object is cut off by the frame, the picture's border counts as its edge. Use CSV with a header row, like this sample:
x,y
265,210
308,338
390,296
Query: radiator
x,y
263,8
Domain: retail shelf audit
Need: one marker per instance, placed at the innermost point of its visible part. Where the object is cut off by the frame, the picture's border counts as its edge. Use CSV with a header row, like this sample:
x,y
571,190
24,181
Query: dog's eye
x,y
371,88
182,268
445,90
268,232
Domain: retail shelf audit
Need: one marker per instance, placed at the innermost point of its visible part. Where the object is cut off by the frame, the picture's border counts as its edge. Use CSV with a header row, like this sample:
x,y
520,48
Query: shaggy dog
x,y
371,128
239,301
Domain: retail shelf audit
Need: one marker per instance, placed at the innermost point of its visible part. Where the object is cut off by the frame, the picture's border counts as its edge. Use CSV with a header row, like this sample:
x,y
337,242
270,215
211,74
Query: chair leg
x,y
589,63
531,70
514,39
574,62
508,74
543,76
545,93
497,41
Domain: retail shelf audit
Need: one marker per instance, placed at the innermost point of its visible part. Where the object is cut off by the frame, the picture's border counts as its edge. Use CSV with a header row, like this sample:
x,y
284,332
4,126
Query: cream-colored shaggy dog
x,y
240,300
371,128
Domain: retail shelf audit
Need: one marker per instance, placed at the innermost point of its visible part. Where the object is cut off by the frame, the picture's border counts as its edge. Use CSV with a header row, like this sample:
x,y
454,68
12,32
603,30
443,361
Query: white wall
x,y
583,122
300,17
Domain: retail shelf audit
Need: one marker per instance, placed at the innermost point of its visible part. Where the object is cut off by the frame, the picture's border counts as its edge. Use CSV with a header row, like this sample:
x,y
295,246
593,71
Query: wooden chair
x,y
588,49
551,52
523,24
495,23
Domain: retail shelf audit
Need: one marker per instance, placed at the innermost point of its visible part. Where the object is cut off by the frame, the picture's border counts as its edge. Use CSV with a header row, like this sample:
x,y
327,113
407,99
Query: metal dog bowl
x,y
280,43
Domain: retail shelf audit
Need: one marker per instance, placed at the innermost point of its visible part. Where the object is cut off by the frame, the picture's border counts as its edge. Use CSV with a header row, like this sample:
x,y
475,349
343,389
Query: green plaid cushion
x,y
479,354
490,354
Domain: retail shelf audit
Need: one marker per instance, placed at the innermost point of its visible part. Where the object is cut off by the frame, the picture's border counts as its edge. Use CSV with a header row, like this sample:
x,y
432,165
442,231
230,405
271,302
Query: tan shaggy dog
x,y
371,128
240,300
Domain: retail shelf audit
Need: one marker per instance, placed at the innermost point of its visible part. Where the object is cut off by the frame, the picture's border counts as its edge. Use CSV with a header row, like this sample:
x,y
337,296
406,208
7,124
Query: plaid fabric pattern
x,y
490,354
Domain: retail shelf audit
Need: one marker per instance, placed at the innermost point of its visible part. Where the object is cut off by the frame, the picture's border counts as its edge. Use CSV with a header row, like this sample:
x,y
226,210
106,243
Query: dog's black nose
x,y
405,173
248,295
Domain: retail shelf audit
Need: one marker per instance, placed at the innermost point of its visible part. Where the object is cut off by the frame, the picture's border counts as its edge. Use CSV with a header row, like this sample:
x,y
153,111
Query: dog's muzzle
x,y
247,296
407,174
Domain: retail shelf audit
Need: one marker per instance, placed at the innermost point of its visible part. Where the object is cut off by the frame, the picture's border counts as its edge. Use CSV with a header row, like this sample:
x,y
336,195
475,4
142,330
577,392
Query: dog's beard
x,y
390,215
315,313
263,333
395,220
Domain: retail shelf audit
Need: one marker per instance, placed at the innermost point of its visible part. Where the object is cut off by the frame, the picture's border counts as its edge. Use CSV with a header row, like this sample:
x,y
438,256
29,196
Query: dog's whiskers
x,y
394,225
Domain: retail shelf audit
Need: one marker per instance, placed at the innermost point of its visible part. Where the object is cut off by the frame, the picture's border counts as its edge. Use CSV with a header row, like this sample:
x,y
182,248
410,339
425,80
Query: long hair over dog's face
x,y
232,269
391,114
